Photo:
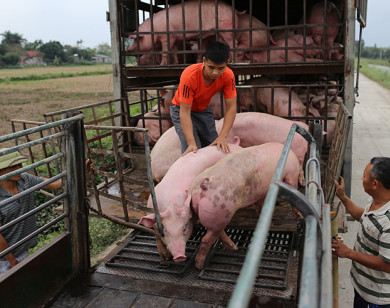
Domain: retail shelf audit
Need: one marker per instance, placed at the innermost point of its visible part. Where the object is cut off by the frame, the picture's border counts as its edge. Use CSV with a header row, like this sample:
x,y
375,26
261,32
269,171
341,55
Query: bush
x,y
10,58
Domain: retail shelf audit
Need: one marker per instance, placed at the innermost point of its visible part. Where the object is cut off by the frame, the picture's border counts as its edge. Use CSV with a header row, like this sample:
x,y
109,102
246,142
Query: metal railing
x,y
69,140
316,262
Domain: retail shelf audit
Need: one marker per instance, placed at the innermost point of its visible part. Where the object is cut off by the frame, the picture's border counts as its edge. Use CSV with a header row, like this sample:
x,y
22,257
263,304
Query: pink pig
x,y
255,128
281,98
317,16
164,153
226,15
236,181
153,125
293,55
173,200
259,37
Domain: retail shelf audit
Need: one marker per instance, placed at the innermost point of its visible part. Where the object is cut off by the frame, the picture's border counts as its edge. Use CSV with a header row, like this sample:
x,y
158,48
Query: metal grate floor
x,y
221,265
224,265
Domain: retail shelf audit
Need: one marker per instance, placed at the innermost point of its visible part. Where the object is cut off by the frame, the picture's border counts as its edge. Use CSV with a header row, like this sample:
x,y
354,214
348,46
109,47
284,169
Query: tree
x,y
12,38
51,50
103,49
10,58
34,45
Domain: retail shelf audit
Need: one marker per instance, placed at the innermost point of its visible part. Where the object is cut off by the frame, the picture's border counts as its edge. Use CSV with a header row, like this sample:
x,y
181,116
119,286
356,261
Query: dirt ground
x,y
29,100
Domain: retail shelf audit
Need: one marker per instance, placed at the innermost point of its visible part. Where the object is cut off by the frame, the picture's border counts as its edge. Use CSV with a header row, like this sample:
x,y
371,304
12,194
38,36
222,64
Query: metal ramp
x,y
221,266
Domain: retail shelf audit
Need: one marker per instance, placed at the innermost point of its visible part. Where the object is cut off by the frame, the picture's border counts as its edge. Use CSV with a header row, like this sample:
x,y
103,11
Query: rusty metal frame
x,y
72,255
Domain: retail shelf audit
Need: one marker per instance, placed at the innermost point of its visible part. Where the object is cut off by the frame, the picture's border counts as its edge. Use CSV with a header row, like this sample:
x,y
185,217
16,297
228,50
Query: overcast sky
x,y
68,21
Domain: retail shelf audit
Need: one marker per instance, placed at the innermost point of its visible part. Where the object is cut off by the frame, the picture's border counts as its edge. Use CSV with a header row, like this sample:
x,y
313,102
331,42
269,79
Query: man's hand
x,y
191,148
89,165
222,144
340,249
340,188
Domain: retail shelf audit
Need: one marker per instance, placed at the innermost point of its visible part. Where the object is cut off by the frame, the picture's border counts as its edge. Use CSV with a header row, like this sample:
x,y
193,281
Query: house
x,y
32,58
101,59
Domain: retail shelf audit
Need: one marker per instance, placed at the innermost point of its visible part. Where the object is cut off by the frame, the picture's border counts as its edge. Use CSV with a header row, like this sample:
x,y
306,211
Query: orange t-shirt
x,y
193,91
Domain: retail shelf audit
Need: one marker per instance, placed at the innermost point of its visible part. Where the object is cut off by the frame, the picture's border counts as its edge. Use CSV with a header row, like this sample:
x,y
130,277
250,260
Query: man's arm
x,y
9,257
89,165
55,185
186,125
355,210
230,115
370,261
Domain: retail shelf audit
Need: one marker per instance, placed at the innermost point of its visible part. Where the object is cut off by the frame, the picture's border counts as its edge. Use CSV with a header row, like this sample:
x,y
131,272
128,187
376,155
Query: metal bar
x,y
246,279
74,148
27,122
32,212
35,233
60,112
326,264
31,189
40,128
130,129
31,143
119,175
308,294
29,167
151,184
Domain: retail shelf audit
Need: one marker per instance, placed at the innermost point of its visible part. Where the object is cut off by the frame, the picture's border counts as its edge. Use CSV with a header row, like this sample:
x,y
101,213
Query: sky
x,y
69,21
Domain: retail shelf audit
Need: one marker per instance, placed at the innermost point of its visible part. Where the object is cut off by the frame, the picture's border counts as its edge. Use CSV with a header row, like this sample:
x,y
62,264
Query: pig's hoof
x,y
199,266
199,263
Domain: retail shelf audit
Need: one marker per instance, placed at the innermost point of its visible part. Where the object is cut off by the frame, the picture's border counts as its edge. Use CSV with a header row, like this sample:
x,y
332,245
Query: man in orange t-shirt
x,y
190,112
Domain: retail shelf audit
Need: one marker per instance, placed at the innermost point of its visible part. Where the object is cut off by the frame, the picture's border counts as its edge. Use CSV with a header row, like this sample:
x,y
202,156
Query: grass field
x,y
4,73
29,100
380,76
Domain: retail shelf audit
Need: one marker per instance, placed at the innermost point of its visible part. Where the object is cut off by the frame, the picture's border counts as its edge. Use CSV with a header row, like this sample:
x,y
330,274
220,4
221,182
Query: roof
x,y
32,53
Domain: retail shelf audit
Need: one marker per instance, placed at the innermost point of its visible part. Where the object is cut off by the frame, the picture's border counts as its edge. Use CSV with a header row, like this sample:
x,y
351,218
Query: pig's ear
x,y
162,92
236,140
134,36
148,220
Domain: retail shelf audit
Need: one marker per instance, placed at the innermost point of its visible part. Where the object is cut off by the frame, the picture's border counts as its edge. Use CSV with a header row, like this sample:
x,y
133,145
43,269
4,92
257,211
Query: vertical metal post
x,y
335,260
308,295
116,54
73,148
326,264
349,97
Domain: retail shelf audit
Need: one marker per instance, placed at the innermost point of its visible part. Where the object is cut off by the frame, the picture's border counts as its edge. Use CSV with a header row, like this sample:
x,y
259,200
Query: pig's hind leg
x,y
227,242
207,241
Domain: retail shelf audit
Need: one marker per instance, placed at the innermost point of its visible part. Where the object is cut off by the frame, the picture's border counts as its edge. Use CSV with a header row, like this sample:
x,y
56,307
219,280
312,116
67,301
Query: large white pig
x,y
253,128
164,153
227,19
173,199
256,128
326,31
264,98
236,181
152,123
259,37
308,50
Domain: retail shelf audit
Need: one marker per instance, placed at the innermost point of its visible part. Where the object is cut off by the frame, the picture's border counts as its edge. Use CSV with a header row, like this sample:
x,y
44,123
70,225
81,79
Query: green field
x,y
380,76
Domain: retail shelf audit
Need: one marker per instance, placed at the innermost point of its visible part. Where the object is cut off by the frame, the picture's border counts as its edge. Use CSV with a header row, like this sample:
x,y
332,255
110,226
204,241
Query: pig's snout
x,y
179,258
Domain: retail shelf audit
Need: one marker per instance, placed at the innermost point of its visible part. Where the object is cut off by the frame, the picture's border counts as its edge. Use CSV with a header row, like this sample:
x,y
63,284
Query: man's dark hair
x,y
381,170
217,52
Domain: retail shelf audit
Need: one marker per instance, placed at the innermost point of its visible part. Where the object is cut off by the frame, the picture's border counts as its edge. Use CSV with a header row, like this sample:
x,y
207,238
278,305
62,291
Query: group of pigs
x,y
313,42
209,186
258,94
